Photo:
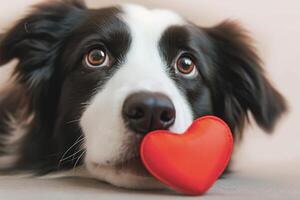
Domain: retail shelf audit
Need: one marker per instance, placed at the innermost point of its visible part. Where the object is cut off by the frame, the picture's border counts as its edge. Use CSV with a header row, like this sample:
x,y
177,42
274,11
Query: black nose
x,y
145,112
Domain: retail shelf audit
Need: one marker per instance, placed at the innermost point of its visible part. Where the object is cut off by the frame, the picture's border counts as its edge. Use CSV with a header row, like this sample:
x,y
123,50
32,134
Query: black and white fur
x,y
56,113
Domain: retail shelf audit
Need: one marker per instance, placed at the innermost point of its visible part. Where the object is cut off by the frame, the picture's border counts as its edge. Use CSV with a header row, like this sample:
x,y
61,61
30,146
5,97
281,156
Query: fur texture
x,y
59,113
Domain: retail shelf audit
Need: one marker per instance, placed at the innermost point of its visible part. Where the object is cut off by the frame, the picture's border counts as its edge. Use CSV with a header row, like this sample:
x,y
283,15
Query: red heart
x,y
190,162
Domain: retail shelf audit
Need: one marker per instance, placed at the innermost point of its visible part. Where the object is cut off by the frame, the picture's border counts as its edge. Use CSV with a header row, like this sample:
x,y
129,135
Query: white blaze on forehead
x,y
142,70
146,29
149,24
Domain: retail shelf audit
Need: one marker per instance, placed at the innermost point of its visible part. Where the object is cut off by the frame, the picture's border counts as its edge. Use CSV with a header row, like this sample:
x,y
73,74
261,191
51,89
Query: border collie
x,y
90,83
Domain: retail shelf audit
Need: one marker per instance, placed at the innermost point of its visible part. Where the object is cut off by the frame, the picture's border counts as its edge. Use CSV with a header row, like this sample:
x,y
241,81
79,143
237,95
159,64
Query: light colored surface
x,y
236,187
275,25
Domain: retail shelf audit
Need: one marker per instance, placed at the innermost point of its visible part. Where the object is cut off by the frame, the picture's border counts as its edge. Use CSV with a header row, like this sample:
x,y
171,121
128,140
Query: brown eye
x,y
185,65
96,58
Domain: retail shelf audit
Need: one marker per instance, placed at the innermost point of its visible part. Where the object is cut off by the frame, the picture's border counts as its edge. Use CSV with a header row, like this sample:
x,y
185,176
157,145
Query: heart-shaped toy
x,y
190,162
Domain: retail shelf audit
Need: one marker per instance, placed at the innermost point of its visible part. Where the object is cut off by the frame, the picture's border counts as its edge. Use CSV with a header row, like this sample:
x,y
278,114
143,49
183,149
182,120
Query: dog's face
x,y
101,79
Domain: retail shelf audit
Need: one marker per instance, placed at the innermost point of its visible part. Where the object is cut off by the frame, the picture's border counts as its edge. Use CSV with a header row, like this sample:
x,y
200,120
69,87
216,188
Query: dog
x,y
90,83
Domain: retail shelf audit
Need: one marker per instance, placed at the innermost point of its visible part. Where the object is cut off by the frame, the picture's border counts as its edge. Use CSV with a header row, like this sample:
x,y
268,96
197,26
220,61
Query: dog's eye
x,y
97,58
185,66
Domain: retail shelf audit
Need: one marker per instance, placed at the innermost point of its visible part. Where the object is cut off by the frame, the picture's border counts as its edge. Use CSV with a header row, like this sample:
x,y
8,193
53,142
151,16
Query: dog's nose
x,y
145,112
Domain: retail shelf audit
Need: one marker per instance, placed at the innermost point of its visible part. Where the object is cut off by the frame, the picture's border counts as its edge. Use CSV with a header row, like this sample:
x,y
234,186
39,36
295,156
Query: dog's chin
x,y
129,174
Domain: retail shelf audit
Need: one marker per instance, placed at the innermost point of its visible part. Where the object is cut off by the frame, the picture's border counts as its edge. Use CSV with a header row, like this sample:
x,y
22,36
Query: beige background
x,y
275,25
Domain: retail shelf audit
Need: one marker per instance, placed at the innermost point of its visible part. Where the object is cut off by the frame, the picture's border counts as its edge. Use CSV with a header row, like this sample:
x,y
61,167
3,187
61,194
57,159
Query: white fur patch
x,y
143,70
124,179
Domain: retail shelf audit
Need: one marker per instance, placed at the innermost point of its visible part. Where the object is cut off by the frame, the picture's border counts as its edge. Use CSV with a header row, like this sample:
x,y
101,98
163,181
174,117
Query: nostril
x,y
166,116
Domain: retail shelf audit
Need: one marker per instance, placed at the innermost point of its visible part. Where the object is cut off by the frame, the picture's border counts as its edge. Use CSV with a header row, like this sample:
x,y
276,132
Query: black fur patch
x,y
231,81
51,44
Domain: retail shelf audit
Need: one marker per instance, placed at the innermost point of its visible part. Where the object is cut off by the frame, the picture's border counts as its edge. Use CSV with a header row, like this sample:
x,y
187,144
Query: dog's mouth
x,y
132,166
127,170
128,174
130,161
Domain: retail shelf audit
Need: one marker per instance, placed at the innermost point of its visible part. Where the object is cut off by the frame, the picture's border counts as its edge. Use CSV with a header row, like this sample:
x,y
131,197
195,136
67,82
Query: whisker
x,y
80,148
78,159
73,155
85,103
79,139
73,121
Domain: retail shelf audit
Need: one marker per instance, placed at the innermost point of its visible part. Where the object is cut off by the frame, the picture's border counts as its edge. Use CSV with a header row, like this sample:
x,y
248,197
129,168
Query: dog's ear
x,y
242,85
35,39
37,42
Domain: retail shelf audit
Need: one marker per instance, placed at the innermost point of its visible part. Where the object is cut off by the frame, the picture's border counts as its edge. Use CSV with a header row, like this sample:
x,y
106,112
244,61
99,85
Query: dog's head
x,y
104,78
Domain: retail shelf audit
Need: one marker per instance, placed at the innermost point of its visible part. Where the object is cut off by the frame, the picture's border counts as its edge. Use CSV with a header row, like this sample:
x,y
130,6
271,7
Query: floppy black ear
x,y
37,42
241,85
35,39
